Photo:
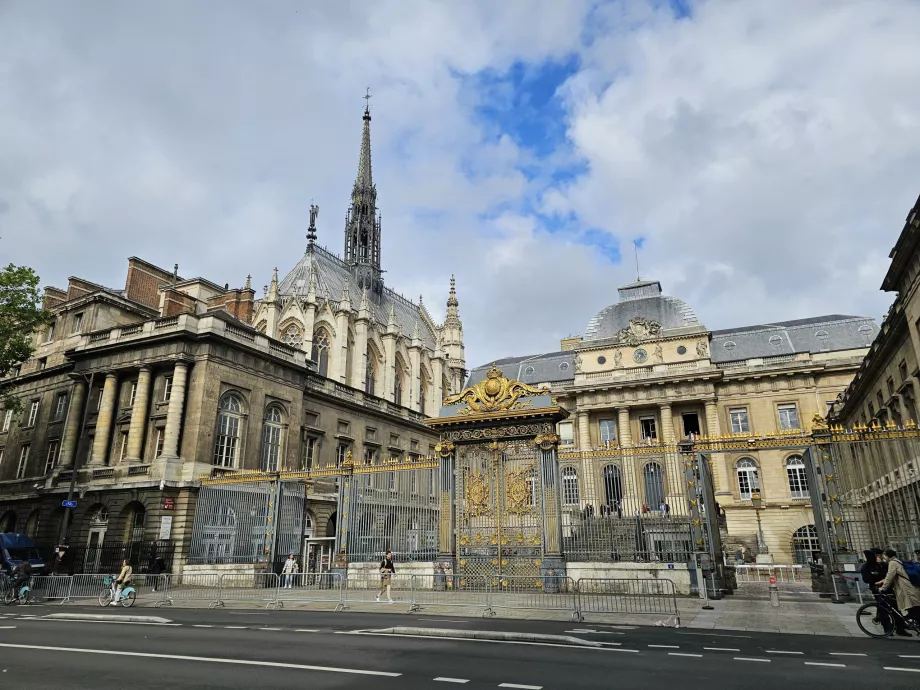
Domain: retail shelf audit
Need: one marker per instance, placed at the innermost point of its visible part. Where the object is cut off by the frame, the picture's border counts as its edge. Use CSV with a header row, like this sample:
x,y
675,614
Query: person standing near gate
x,y
289,570
386,575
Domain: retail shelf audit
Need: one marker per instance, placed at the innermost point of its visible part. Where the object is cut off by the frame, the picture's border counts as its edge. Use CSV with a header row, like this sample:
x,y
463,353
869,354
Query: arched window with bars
x,y
748,478
229,423
795,474
272,438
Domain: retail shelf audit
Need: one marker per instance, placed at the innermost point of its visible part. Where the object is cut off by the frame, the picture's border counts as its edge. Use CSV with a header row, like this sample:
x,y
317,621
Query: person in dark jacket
x,y
873,571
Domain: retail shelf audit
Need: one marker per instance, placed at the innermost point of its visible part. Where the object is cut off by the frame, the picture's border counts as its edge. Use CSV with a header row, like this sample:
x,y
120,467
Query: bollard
x,y
774,593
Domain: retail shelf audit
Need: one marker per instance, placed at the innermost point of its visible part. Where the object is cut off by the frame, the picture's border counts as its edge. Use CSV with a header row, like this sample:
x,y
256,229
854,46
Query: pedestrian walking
x,y
386,575
289,570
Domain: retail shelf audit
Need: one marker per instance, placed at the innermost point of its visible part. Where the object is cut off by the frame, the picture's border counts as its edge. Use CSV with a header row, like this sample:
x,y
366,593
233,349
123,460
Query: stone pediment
x,y
638,330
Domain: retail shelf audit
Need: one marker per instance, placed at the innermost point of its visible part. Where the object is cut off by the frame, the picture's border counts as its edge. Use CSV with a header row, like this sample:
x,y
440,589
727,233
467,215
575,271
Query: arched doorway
x,y
8,522
32,525
98,525
804,544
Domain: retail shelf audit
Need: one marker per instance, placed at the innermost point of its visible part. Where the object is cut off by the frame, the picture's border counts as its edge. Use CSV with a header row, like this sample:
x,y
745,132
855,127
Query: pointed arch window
x,y
748,478
370,374
320,353
229,422
398,387
272,437
423,395
293,336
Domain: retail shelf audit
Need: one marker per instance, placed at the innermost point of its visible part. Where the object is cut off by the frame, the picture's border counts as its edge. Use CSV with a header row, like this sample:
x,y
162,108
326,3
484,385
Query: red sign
x,y
169,504
772,580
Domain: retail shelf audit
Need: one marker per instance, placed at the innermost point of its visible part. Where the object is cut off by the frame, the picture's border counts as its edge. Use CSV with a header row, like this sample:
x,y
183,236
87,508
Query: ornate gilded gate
x,y
500,505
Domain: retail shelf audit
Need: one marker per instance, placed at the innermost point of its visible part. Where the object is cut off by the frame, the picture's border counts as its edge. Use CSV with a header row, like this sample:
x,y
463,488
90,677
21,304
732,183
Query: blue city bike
x,y
107,596
11,596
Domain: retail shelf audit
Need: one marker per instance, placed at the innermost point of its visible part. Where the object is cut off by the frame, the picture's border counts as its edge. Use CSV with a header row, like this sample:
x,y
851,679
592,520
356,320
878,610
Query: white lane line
x,y
751,658
821,663
721,649
234,627
274,629
74,620
305,630
684,654
908,656
7,627
441,620
438,638
740,637
781,651
452,680
895,668
520,687
594,632
613,644
663,646
846,654
202,626
213,660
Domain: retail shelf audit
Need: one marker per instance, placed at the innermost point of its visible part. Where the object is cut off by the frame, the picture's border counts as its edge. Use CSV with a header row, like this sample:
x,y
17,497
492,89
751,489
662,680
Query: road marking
x,y
684,654
721,649
740,637
439,638
908,656
780,651
202,626
821,663
7,627
520,687
751,658
664,646
213,660
275,629
234,627
618,627
305,630
846,654
895,668
441,620
452,680
75,620
583,630
614,644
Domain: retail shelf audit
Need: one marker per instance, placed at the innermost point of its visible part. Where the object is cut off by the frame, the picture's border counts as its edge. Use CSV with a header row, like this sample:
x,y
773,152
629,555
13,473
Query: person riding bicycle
x,y
897,581
123,580
873,571
22,573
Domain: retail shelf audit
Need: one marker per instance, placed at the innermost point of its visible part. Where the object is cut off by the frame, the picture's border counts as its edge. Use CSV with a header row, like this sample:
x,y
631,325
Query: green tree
x,y
21,314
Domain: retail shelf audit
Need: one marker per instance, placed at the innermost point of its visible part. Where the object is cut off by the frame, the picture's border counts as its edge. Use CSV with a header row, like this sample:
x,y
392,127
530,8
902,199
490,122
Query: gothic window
x,y
320,353
613,485
293,336
397,387
795,473
654,485
748,478
229,418
370,381
422,396
570,486
272,428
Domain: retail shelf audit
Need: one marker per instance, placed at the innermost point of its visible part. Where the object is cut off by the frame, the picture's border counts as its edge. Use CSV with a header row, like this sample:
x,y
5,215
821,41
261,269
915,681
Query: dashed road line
x,y
751,658
781,651
823,663
846,654
272,629
520,687
452,680
895,668
684,654
202,626
908,656
235,627
612,644
305,630
7,627
663,646
721,649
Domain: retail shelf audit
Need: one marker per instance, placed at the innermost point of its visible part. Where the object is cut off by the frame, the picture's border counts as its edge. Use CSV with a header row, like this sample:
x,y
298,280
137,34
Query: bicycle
x,y
23,596
107,596
869,621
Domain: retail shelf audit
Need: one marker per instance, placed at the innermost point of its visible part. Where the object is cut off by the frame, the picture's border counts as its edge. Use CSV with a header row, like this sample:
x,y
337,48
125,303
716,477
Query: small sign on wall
x,y
165,527
169,504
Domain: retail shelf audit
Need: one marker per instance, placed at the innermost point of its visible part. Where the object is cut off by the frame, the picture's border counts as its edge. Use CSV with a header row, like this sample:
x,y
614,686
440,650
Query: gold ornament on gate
x,y
495,393
477,495
444,448
518,493
547,441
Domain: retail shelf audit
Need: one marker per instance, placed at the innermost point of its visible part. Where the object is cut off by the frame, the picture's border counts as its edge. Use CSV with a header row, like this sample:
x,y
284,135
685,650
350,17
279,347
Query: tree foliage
x,y
21,313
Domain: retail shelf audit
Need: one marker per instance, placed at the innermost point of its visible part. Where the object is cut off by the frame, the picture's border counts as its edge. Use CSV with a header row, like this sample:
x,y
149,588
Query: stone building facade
x,y
648,373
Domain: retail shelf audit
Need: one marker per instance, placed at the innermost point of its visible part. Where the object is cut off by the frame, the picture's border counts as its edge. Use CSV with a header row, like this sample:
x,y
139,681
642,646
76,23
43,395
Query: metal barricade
x,y
542,593
439,589
51,587
258,588
632,596
88,586
763,573
305,588
370,586
194,587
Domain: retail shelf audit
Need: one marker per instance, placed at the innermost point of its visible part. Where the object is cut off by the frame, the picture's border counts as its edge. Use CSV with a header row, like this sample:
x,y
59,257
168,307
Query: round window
x,y
681,350
528,371
564,366
602,360
729,345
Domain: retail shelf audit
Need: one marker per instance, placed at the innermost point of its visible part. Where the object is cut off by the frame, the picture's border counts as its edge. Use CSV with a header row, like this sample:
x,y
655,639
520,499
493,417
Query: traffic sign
x,y
69,504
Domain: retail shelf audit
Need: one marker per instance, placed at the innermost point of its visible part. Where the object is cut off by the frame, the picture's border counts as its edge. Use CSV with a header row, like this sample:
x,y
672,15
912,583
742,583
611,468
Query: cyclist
x,y
897,581
874,569
22,573
124,579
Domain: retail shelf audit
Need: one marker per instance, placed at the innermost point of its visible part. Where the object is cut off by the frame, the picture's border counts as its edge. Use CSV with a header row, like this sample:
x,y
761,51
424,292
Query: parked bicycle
x,y
12,596
880,619
107,596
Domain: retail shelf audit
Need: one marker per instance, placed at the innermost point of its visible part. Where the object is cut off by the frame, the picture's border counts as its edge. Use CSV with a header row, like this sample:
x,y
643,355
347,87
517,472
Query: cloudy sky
x,y
763,154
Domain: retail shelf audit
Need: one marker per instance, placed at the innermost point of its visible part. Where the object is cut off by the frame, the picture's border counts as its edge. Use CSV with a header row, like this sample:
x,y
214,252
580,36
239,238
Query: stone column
x,y
139,416
712,419
104,421
437,391
584,431
415,377
338,355
387,379
358,377
667,424
719,476
72,430
624,430
174,411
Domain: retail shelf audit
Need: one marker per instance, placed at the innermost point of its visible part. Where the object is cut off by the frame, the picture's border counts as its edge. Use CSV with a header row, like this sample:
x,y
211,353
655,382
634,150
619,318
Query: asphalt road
x,y
246,649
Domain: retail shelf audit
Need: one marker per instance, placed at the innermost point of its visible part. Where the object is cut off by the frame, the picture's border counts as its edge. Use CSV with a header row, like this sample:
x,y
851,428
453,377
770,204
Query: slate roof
x,y
533,369
642,298
332,274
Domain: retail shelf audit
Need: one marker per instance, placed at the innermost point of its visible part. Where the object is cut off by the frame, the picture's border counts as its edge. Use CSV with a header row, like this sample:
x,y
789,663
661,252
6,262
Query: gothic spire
x,y
453,306
365,178
311,231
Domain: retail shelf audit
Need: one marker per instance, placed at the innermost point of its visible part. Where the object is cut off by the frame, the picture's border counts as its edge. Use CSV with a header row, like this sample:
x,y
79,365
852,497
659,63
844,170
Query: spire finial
x,y
311,231
175,273
248,285
367,102
391,321
636,250
452,299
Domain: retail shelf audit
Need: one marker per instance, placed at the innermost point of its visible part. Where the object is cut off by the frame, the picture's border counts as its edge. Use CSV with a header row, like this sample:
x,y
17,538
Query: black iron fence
x,y
144,557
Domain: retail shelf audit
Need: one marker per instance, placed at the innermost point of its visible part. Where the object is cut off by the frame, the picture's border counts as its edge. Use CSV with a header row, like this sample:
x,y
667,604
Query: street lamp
x,y
757,502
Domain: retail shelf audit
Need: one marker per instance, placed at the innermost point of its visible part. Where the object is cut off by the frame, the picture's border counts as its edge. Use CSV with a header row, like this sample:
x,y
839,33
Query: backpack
x,y
913,572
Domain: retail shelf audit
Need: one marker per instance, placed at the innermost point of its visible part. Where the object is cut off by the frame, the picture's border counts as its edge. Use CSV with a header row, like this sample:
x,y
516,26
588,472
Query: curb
x,y
105,617
489,635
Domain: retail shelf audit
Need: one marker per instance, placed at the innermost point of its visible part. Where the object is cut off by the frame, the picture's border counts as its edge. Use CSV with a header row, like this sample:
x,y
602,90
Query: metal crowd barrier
x,y
544,593
632,596
261,588
311,587
364,587
191,587
763,573
468,591
51,587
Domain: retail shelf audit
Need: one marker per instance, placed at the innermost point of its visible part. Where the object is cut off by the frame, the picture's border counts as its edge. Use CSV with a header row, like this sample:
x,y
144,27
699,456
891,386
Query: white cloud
x,y
767,150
